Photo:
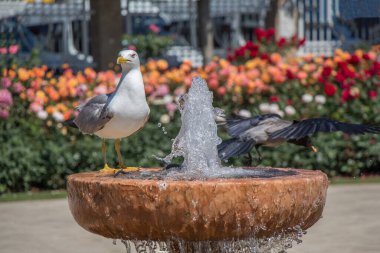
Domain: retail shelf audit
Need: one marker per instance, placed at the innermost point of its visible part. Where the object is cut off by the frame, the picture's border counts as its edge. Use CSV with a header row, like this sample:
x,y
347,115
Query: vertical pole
x,y
193,25
128,17
85,40
106,32
205,29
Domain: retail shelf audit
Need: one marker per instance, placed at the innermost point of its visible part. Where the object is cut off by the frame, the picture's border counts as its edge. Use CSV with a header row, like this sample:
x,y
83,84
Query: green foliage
x,y
34,155
149,45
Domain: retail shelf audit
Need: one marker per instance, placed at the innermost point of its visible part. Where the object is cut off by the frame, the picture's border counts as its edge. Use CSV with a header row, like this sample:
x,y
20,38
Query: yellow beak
x,y
121,60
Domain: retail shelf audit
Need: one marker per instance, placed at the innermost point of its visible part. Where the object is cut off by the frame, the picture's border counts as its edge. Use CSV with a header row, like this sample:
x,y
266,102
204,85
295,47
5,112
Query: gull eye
x,y
133,55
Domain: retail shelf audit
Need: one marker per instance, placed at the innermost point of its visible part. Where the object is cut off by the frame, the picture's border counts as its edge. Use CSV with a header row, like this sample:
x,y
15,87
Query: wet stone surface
x,y
175,173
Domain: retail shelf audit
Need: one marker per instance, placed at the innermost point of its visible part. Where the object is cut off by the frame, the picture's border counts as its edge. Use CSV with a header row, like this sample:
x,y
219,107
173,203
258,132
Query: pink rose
x,y
6,82
162,90
171,107
13,49
5,97
4,113
18,87
153,28
179,91
30,94
132,47
3,50
221,91
35,107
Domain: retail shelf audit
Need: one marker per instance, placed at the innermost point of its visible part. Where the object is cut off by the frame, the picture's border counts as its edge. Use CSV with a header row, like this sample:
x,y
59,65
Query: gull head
x,y
128,59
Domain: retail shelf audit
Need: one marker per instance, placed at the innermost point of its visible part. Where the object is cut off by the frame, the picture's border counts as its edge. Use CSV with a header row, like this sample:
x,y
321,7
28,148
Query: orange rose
x,y
50,109
265,77
23,74
53,94
38,72
162,65
276,58
151,65
67,114
12,74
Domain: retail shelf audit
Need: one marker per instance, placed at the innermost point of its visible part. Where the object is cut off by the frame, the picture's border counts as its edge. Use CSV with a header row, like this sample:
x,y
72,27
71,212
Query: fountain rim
x,y
109,178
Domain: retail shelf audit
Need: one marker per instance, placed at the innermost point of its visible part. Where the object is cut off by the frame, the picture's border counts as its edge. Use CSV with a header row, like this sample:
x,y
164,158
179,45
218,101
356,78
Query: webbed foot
x,y
107,169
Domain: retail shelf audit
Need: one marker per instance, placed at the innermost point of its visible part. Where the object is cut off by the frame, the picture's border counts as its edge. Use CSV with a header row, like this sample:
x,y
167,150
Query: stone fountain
x,y
201,206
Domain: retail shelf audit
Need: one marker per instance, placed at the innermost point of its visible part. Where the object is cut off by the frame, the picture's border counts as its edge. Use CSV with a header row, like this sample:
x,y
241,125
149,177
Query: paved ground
x,y
350,224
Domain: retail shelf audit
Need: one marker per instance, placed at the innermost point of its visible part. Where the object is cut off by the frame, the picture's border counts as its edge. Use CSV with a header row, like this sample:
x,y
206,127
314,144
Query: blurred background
x,y
296,58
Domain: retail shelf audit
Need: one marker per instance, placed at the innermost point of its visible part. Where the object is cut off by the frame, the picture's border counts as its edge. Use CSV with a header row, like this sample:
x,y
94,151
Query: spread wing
x,y
308,127
235,127
94,114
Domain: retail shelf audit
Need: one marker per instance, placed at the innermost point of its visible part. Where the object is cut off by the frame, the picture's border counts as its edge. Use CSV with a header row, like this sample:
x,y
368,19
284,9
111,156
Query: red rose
x,y
281,42
326,72
270,33
253,53
240,52
330,89
366,56
251,46
290,75
322,80
339,77
274,99
264,56
345,95
260,34
354,59
231,57
372,94
301,42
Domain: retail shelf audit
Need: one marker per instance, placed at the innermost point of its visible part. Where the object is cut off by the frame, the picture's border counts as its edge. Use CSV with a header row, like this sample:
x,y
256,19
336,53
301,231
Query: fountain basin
x,y
198,210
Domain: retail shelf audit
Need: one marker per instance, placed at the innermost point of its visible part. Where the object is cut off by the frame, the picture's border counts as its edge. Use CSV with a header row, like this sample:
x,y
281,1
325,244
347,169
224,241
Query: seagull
x,y
118,114
271,130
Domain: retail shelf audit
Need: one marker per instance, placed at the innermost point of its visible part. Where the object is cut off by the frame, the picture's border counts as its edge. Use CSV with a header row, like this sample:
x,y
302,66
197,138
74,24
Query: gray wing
x,y
94,114
308,127
235,127
262,131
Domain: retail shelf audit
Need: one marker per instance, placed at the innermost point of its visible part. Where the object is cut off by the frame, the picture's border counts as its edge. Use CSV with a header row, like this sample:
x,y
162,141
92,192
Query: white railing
x,y
322,48
9,8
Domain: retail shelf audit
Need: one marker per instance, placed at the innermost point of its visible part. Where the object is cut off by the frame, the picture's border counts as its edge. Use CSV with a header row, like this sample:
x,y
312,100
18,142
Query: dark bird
x,y
271,130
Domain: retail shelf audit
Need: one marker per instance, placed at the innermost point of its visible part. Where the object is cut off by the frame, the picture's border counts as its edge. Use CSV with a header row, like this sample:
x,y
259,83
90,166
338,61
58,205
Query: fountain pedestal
x,y
199,210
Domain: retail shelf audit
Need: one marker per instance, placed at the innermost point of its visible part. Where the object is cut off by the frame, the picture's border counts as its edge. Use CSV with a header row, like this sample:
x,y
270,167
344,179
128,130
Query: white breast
x,y
129,107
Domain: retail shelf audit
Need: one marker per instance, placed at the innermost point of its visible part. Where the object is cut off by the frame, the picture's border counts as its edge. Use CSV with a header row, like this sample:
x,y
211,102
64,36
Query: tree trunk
x,y
205,30
106,32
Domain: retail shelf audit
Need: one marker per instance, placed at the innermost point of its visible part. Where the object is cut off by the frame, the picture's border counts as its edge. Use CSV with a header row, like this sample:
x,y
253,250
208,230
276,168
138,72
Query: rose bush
x,y
37,150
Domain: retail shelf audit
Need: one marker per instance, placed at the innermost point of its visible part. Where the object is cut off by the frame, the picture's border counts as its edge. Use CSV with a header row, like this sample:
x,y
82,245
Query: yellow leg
x,y
120,158
106,168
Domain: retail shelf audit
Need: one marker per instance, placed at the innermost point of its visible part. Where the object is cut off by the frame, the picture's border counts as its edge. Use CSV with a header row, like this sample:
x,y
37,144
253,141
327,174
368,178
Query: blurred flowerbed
x,y
37,150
